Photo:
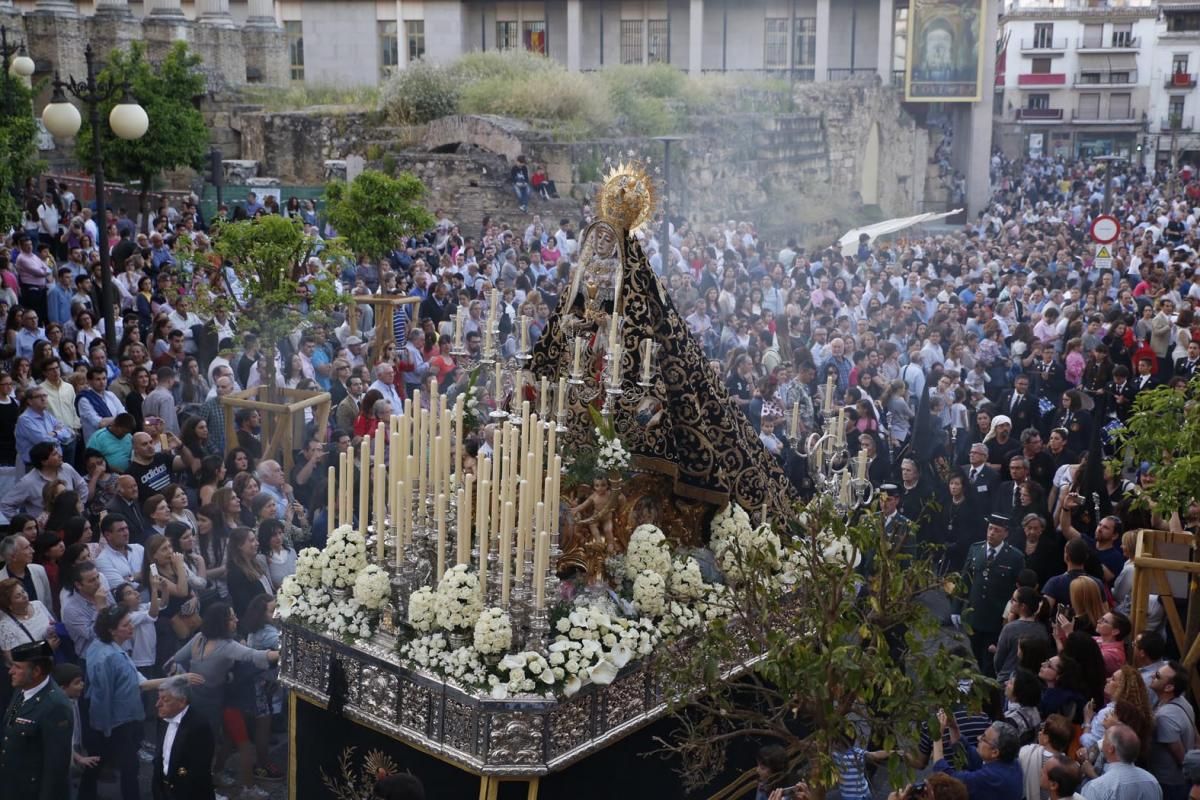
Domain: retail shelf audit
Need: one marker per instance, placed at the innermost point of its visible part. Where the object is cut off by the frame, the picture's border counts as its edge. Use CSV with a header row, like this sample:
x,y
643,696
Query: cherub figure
x,y
602,504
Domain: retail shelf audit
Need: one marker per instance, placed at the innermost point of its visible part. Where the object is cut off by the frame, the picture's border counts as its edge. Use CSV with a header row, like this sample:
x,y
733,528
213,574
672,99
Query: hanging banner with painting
x,y
945,51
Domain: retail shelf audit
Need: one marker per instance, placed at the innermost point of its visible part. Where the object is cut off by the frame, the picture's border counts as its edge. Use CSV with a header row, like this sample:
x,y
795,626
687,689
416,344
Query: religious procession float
x,y
489,616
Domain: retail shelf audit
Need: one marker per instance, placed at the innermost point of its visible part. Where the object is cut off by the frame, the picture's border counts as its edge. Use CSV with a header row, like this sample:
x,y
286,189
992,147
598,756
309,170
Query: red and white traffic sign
x,y
1105,229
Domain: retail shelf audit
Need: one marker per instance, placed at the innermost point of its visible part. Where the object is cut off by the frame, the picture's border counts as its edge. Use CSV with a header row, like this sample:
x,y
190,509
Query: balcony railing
x,y
1180,80
1042,79
1115,43
1176,122
1040,114
1100,117
850,73
1123,77
1040,43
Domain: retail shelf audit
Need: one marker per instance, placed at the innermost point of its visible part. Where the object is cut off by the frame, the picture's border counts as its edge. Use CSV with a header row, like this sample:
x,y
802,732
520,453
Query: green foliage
x,y
268,257
302,97
832,669
177,136
1164,430
376,212
419,93
18,151
649,100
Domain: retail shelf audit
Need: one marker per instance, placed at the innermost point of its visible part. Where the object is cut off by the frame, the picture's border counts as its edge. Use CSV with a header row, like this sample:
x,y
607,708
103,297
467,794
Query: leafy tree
x,y
267,284
1164,429
177,136
375,212
839,655
18,150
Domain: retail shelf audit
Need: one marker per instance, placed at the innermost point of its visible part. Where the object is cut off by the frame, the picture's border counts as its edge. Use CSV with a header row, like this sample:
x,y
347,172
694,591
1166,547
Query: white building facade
x,y
1076,78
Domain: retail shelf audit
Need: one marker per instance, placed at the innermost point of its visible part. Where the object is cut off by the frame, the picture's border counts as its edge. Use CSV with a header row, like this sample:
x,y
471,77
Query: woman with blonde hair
x,y
1087,604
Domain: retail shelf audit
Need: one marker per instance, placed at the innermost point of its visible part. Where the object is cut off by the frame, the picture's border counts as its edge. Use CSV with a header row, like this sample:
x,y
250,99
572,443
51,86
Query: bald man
x,y
152,470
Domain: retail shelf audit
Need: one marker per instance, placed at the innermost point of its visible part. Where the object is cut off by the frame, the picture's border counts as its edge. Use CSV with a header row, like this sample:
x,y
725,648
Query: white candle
x,y
524,334
795,427
505,554
441,536
463,523
460,324
861,471
482,531
398,526
496,486
522,520
562,396
498,391
364,486
460,435
614,374
841,427
543,396
330,498
829,395
380,483
539,571
577,366
647,350
518,389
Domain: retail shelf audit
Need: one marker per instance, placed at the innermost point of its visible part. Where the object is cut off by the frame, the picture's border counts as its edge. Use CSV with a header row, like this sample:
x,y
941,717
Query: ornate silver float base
x,y
515,737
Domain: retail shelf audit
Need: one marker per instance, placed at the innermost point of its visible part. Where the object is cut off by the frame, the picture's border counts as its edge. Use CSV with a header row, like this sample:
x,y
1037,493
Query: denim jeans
x,y
522,191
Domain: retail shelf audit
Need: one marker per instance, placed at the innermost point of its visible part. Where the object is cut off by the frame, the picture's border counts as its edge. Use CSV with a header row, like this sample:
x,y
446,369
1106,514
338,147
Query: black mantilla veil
x,y
685,425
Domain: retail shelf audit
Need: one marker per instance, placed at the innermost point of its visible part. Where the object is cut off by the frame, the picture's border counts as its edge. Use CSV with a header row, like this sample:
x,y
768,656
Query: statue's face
x,y
605,241
938,45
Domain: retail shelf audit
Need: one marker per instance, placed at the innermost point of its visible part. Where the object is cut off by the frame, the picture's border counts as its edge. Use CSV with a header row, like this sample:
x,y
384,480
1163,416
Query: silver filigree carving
x,y
516,739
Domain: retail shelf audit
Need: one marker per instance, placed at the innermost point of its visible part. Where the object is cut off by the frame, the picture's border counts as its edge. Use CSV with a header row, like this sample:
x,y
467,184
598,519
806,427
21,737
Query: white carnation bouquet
x,y
612,456
344,556
456,601
308,568
493,631
647,550
422,615
650,593
521,673
687,582
349,620
373,587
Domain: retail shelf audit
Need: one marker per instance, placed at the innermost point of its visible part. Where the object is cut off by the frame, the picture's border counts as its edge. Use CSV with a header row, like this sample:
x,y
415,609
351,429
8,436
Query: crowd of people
x,y
974,367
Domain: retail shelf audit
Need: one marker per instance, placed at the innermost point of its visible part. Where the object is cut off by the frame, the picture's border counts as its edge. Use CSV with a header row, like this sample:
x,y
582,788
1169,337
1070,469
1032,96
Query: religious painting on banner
x,y
945,51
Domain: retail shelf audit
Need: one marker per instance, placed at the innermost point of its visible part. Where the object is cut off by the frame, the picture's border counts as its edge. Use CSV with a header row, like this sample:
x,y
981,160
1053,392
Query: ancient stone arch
x,y
494,134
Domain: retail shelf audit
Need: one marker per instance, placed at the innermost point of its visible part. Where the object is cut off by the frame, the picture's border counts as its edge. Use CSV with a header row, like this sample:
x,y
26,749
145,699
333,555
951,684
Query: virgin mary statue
x,y
680,422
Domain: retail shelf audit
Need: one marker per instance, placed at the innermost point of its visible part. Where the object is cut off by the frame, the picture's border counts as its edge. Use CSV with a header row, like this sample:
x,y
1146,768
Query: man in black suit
x,y
982,480
1145,380
1008,494
1186,367
126,503
1121,392
183,752
1021,406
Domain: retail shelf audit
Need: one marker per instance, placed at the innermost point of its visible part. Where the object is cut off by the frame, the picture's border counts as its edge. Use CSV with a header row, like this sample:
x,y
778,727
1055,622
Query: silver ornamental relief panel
x,y
624,700
459,726
516,739
414,708
570,725
378,695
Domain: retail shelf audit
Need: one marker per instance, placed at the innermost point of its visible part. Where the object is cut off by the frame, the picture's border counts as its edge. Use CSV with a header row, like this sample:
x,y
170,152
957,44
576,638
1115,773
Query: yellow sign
x,y
1103,252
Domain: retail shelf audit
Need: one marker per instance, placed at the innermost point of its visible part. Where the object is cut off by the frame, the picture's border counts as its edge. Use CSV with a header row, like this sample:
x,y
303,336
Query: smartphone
x,y
154,570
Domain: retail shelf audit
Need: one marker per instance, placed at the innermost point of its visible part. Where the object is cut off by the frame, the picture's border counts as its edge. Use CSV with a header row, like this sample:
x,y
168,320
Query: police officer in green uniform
x,y
989,578
35,755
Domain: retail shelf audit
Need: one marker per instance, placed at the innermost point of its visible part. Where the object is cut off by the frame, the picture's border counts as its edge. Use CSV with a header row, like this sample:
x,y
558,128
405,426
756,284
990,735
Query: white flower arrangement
x,y
521,673
456,603
735,543
612,455
421,609
308,569
493,631
344,556
349,619
373,587
289,595
647,550
650,593
686,579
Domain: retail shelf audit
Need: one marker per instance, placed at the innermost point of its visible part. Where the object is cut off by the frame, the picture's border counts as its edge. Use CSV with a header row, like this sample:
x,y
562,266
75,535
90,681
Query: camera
x,y
916,791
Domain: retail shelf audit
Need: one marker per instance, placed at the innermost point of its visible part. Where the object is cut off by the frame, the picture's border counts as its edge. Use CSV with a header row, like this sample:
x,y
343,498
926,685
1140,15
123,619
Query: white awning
x,y
849,242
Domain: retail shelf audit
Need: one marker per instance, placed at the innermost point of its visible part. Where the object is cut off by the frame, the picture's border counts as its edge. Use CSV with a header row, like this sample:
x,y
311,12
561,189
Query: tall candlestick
x,y
577,364
505,553
364,467
460,435
380,483
441,536
330,498
562,397
539,570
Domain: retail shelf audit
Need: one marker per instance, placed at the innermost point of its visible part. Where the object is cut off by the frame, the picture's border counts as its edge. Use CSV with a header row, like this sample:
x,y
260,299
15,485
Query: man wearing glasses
x,y
37,424
1174,730
991,770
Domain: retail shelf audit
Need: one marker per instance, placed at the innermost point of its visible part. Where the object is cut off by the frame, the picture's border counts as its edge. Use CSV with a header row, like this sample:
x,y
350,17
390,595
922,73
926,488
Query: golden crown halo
x,y
627,197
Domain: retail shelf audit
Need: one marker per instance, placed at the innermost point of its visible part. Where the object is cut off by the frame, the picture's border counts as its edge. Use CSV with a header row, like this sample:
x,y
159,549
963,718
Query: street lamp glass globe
x,y
21,67
128,121
61,119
